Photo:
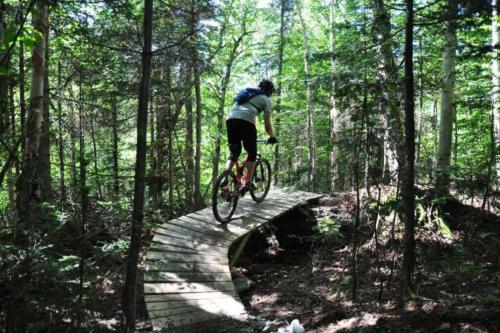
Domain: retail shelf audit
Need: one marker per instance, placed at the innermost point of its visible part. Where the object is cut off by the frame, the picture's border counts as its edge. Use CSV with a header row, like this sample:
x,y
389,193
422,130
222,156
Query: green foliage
x,y
328,226
441,225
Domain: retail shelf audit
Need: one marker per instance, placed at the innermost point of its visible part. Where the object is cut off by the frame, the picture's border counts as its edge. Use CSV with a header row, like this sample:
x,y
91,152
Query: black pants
x,y
239,130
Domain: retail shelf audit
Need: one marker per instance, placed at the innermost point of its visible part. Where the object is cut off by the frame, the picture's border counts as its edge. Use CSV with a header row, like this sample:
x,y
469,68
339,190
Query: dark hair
x,y
267,86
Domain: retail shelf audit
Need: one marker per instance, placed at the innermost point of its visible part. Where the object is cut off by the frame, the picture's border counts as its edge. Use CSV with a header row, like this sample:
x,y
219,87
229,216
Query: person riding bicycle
x,y
240,126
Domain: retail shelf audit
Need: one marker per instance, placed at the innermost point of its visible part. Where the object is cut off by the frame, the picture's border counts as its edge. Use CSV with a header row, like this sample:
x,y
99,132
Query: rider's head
x,y
267,86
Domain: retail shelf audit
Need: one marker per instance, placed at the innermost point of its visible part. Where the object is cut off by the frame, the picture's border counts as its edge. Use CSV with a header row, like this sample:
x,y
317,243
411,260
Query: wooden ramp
x,y
187,277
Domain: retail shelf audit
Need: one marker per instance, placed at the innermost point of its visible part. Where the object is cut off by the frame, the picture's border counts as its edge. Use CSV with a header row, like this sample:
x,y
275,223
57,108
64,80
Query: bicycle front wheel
x,y
225,196
261,180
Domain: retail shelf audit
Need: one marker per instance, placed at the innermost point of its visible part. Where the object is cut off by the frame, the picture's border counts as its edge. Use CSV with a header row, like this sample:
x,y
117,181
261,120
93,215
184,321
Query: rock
x,y
296,327
273,325
445,326
259,325
242,284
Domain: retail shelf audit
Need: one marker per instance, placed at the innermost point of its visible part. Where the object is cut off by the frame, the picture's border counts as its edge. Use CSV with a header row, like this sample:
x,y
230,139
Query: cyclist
x,y
240,126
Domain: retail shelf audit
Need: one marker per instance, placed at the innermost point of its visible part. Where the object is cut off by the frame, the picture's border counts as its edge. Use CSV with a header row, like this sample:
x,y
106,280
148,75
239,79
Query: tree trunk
x,y
311,114
22,95
389,105
420,104
170,129
4,80
447,97
114,125
198,199
334,167
29,196
496,83
28,188
221,101
84,206
60,144
408,190
95,157
189,154
130,288
74,172
44,164
276,168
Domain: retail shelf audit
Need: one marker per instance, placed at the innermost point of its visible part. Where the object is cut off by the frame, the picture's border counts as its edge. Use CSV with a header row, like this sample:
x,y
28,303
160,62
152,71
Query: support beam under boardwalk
x,y
187,277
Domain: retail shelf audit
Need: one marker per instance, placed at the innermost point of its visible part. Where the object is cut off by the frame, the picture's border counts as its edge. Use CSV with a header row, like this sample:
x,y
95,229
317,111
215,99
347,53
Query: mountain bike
x,y
228,187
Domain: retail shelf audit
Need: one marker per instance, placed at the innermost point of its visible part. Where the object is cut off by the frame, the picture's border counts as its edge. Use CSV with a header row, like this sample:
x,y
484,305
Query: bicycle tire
x,y
261,174
231,200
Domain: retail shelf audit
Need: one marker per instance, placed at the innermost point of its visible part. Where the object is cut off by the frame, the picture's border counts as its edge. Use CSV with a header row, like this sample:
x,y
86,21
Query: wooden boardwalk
x,y
187,277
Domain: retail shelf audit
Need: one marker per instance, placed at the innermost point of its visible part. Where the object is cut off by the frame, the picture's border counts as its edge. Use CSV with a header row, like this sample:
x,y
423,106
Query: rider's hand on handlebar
x,y
272,140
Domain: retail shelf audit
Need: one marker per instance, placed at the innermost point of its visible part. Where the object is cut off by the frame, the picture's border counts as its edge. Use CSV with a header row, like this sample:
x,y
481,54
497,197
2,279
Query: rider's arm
x,y
267,124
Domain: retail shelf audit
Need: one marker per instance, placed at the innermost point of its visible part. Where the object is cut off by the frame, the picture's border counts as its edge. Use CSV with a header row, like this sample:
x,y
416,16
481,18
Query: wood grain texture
x,y
186,273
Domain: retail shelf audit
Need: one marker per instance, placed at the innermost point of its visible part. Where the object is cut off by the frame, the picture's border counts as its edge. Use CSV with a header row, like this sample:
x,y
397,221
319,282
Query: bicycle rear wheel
x,y
225,196
261,179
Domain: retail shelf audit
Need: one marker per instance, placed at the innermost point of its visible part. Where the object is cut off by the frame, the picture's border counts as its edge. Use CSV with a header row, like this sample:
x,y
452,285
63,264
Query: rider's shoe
x,y
224,183
249,185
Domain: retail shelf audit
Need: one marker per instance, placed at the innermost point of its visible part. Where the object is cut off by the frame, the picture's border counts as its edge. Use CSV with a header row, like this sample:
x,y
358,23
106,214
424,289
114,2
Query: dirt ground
x,y
309,276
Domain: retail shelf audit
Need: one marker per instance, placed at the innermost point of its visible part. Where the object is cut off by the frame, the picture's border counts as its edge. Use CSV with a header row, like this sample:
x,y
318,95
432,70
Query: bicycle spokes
x,y
225,196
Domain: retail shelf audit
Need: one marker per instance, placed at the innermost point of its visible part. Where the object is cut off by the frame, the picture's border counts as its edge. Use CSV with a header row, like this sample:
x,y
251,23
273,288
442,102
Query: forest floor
x,y
309,275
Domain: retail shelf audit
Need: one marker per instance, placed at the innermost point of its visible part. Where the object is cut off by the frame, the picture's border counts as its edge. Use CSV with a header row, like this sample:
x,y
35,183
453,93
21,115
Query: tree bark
x,y
84,205
447,114
22,95
276,168
334,167
29,196
389,105
408,190
44,165
95,157
4,80
198,199
189,151
28,188
495,32
94,145
420,104
60,130
311,114
130,288
114,125
222,88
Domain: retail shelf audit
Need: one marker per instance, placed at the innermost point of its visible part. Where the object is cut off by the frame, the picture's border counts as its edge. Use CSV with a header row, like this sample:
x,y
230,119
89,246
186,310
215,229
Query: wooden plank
x,y
167,228
183,287
164,240
202,248
210,306
227,228
179,293
266,212
153,298
193,223
220,302
178,238
286,205
182,320
268,205
239,220
184,267
285,202
161,276
250,222
168,257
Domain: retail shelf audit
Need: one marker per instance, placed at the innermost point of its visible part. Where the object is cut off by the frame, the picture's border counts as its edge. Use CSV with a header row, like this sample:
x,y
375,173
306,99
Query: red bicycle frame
x,y
239,174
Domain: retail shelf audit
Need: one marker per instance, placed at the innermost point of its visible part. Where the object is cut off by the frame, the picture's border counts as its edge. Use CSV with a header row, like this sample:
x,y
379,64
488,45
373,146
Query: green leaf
x,y
443,228
483,235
